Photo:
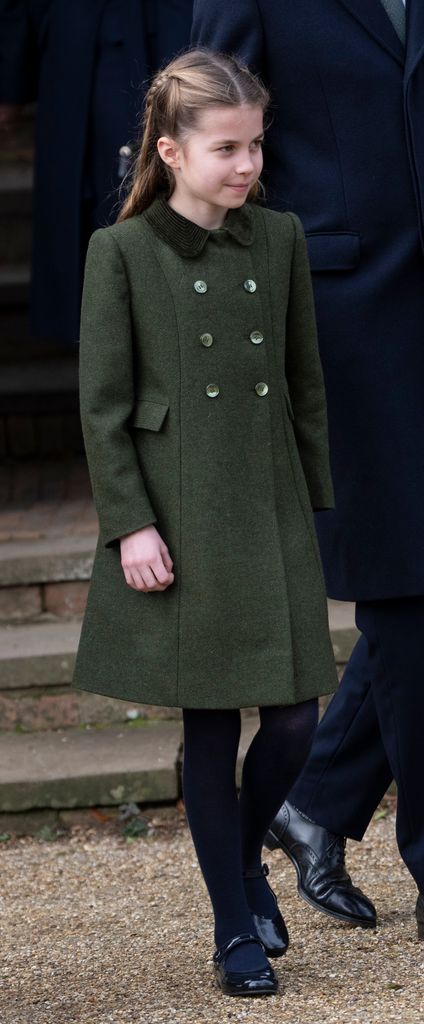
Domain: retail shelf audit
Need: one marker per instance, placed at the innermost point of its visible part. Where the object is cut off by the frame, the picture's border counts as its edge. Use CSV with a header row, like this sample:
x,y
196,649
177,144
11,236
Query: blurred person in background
x,y
87,63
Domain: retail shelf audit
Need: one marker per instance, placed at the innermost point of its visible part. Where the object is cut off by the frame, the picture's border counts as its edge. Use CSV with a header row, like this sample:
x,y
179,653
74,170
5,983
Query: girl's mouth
x,y
241,188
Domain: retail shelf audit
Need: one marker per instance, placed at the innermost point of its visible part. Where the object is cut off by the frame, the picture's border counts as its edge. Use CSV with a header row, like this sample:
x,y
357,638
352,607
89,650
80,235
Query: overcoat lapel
x,y
375,20
414,35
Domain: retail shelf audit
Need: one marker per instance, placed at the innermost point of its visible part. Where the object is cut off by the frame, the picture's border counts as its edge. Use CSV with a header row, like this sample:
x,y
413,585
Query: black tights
x,y
228,832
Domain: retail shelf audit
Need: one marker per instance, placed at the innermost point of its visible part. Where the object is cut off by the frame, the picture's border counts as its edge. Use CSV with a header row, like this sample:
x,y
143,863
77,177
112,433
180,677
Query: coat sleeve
x,y
235,28
305,378
107,393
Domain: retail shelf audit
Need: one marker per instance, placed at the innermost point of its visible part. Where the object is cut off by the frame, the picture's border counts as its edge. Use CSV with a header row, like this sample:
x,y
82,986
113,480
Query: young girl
x,y
204,418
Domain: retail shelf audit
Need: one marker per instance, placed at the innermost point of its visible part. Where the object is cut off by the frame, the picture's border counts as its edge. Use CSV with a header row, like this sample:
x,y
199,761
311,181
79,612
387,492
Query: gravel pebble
x,y
96,929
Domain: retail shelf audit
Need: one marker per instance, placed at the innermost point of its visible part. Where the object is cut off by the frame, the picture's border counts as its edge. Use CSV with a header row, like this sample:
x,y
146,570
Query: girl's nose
x,y
245,163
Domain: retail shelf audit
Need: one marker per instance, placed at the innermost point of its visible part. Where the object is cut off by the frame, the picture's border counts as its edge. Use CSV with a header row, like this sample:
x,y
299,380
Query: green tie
x,y
396,12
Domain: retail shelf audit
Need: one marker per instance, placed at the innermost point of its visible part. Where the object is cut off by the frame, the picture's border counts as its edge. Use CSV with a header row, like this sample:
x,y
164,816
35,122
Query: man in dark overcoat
x,y
87,62
345,150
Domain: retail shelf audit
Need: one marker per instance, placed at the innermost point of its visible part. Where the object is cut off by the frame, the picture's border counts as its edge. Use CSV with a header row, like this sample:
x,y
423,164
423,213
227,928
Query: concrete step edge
x,y
38,654
48,560
16,178
90,767
52,375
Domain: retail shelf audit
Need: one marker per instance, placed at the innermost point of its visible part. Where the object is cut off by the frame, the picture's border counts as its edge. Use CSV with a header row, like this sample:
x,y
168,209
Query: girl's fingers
x,y
138,581
162,573
128,578
148,577
166,558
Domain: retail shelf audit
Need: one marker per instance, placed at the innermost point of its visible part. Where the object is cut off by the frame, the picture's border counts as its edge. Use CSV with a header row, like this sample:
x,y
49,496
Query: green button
x,y
206,339
249,285
256,337
212,390
200,287
261,389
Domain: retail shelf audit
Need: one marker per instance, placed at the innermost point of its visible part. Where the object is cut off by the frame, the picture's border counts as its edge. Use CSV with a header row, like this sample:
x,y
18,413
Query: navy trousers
x,y
373,731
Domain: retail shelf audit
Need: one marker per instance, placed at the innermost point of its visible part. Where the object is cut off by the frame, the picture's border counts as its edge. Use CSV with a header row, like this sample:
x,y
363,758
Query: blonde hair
x,y
191,83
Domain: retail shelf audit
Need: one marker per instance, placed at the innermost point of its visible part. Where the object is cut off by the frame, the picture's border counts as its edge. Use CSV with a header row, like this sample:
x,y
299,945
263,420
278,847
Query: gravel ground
x,y
99,927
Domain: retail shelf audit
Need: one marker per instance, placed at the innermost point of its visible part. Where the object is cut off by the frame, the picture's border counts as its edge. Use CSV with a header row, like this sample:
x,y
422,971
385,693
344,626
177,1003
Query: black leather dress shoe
x,y
272,931
319,859
243,983
419,913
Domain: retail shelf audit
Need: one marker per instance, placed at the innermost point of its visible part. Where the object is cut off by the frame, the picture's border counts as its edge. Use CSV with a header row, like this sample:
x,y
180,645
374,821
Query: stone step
x,y
35,709
41,377
15,213
38,389
41,654
90,767
14,284
46,560
47,576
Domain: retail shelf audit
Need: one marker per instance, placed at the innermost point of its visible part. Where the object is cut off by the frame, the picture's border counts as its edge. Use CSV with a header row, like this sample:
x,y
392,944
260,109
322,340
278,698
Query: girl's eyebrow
x,y
231,142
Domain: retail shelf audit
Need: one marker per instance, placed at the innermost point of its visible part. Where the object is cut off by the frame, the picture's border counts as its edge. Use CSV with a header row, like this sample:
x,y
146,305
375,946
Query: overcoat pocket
x,y
333,250
149,415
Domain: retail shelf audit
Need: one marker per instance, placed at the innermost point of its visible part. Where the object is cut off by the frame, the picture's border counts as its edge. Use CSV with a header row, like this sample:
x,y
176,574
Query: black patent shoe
x,y
272,931
319,858
419,913
243,983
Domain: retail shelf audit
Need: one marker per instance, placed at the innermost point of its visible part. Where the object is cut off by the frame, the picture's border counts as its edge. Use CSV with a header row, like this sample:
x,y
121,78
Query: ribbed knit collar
x,y
187,238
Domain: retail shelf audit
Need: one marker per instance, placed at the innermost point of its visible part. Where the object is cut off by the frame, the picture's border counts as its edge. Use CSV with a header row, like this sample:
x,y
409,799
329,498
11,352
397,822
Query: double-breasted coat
x,y
345,151
203,411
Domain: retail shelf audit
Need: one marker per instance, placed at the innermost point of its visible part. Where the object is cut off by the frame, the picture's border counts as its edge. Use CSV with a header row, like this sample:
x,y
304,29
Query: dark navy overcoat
x,y
88,63
346,152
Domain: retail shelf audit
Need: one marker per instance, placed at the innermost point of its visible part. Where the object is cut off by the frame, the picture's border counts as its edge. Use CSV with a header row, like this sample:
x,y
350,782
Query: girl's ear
x,y
169,151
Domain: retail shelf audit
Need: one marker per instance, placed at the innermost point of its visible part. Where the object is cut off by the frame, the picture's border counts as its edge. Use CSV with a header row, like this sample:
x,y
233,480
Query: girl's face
x,y
217,164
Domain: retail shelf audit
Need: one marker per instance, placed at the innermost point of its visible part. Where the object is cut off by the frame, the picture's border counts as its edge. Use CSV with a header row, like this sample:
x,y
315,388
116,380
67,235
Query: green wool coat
x,y
203,411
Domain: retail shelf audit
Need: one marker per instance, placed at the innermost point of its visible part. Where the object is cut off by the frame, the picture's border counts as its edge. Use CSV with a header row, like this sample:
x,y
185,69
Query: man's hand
x,y
146,561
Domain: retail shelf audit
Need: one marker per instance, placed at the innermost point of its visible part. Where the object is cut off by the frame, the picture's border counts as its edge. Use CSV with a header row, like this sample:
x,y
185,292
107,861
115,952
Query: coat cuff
x,y
111,533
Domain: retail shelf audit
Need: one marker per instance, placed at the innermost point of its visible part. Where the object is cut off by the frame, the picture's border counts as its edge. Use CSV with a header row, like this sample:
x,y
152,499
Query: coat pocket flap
x,y
149,415
333,250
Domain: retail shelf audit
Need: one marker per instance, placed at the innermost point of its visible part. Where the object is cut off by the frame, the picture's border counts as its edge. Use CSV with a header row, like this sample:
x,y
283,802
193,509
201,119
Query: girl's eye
x,y
253,145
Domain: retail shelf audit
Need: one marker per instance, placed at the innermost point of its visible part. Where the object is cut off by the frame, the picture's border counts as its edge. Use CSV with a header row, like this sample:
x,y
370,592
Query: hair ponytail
x,y
191,83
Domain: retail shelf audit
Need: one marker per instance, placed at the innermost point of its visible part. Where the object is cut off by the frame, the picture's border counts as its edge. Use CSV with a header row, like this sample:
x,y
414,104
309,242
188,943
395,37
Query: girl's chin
x,y
234,196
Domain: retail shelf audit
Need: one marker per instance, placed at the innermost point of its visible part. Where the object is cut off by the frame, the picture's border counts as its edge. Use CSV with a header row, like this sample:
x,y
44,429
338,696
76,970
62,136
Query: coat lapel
x,y
414,34
375,20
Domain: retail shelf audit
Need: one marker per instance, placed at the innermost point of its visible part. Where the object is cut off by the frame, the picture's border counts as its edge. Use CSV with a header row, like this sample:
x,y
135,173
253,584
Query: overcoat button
x,y
212,390
261,389
206,339
249,285
256,337
200,287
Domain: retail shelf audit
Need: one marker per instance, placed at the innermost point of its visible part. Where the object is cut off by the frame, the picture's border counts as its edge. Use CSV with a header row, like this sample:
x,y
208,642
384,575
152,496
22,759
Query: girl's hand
x,y
146,561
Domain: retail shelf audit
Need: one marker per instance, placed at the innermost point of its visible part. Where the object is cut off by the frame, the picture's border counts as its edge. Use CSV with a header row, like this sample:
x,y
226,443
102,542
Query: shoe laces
x,y
336,851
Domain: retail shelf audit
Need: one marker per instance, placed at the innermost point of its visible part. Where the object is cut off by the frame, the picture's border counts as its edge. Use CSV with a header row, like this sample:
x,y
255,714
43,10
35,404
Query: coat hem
x,y
299,698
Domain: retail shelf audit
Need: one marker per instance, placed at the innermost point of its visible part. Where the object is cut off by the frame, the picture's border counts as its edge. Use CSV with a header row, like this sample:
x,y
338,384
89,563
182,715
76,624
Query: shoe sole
x,y
248,995
355,921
